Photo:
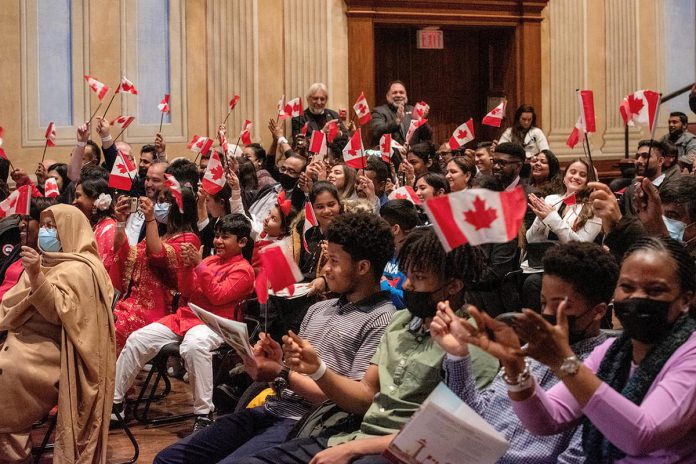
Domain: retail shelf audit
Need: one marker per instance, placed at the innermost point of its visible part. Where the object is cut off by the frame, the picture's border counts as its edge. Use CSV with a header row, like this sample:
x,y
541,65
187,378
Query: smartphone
x,y
508,318
134,203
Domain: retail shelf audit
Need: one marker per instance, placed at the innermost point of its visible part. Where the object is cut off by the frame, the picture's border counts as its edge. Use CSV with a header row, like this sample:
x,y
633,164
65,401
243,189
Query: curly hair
x,y
364,236
422,251
591,271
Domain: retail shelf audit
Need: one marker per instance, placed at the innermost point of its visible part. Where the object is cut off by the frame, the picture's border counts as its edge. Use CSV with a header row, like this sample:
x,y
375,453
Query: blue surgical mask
x,y
48,239
162,212
675,228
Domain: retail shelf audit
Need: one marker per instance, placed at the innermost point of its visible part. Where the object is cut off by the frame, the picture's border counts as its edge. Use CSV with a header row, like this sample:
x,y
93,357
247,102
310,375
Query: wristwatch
x,y
280,383
570,366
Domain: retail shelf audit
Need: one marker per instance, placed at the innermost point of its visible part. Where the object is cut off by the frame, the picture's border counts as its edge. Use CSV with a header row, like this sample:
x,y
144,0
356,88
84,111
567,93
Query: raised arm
x,y
75,165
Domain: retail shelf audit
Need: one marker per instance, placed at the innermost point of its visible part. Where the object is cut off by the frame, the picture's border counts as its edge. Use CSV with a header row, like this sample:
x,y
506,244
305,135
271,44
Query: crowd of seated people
x,y
94,282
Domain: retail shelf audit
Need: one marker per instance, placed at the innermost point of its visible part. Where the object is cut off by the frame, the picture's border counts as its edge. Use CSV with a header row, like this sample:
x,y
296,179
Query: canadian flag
x,y
476,216
51,188
495,116
123,121
233,102
405,193
385,148
280,266
332,131
419,110
261,286
574,136
412,127
293,108
175,189
304,129
200,144
281,108
462,135
362,110
245,135
99,88
123,173
354,153
50,135
317,144
214,178
587,113
640,108
126,86
164,104
309,222
18,202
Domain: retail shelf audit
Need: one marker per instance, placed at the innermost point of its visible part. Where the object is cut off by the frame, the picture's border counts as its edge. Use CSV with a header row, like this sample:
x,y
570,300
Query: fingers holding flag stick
x,y
43,155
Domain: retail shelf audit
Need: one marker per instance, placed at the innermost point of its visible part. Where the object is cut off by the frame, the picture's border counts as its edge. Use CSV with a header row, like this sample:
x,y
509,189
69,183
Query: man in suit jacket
x,y
395,117
316,115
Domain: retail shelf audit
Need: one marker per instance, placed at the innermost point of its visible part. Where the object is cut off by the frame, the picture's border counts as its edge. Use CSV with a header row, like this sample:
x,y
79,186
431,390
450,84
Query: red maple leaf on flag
x,y
362,107
122,167
296,107
480,217
461,134
635,104
401,196
495,111
13,202
216,172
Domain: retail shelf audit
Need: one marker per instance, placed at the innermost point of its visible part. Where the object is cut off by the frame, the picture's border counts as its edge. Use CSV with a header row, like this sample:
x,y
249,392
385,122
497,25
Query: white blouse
x,y
534,142
563,226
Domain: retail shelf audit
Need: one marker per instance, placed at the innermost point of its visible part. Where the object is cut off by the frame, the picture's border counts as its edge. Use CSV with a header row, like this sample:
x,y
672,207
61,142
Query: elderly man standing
x,y
395,117
317,115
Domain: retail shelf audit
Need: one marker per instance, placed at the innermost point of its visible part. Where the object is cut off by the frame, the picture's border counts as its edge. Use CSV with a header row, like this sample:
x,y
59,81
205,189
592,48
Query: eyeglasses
x,y
503,162
290,172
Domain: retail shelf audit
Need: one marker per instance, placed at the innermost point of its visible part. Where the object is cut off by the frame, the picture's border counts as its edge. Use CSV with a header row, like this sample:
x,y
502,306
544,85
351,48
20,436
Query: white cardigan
x,y
534,142
562,226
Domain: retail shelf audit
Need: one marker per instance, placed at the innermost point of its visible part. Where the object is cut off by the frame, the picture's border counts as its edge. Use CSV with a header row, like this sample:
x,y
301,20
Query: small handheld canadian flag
x,y
332,131
213,179
245,135
354,153
18,202
50,135
586,121
126,86
495,116
362,110
293,108
281,108
405,193
200,144
462,135
280,266
412,127
574,136
309,222
476,216
385,148
419,110
233,102
304,128
164,104
640,108
123,121
123,173
175,189
98,87
51,188
317,144
261,286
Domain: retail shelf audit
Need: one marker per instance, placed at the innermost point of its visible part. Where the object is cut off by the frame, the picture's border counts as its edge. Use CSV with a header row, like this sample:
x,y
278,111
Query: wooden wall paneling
x,y
361,62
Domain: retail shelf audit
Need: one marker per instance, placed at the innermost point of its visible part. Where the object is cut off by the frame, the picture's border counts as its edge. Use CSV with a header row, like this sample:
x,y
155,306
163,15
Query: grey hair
x,y
314,88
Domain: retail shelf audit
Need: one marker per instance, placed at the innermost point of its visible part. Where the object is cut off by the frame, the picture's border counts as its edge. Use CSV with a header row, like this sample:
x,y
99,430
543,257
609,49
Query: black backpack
x,y
327,420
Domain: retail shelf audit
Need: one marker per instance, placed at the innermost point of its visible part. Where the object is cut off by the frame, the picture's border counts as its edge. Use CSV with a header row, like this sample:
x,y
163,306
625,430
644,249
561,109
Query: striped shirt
x,y
345,336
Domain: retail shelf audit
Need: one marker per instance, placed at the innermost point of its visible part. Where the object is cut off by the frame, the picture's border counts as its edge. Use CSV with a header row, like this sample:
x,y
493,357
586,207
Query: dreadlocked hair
x,y
422,251
684,262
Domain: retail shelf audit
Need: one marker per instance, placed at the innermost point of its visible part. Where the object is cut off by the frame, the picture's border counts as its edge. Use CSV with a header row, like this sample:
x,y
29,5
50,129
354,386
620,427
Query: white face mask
x,y
162,212
676,228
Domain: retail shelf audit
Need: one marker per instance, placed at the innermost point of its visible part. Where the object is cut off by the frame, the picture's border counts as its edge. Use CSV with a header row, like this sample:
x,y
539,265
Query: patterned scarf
x,y
614,370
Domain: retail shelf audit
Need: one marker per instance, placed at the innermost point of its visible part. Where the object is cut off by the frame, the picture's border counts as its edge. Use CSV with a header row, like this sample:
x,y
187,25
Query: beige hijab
x,y
82,294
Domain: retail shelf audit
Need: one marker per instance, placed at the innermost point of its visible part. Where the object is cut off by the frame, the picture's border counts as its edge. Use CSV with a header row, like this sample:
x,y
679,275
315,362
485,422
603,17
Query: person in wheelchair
x,y
345,330
406,367
220,284
61,346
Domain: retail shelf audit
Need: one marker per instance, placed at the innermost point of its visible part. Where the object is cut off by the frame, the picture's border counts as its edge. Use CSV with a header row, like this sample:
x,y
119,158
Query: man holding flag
x,y
317,116
395,118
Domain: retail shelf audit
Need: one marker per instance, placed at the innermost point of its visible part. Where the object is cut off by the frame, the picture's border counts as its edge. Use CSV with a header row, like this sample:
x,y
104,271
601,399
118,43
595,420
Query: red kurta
x,y
218,286
148,281
104,232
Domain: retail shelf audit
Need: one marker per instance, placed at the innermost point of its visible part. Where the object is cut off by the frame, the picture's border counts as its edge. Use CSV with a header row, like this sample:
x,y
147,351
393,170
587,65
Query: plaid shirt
x,y
494,405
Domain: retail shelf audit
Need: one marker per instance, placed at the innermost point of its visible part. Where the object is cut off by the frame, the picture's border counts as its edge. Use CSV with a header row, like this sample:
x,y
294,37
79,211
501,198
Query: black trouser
x,y
301,451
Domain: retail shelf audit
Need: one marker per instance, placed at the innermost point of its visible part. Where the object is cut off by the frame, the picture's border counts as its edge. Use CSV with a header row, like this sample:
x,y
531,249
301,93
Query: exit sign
x,y
430,39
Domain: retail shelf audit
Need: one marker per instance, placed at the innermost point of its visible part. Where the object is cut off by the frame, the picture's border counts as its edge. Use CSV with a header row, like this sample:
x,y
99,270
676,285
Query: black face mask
x,y
644,319
574,334
287,182
421,304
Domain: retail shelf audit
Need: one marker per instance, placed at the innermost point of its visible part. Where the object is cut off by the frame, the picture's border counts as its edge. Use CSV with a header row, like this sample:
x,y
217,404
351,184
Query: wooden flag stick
x,y
43,155
93,114
161,120
228,115
590,175
109,105
119,134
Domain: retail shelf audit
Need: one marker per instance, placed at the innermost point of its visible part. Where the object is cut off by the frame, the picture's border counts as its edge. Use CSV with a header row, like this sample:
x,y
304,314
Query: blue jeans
x,y
230,438
301,451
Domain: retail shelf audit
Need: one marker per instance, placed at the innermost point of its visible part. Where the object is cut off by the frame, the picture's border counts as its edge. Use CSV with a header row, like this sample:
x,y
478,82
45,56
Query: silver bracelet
x,y
106,139
522,386
81,144
521,377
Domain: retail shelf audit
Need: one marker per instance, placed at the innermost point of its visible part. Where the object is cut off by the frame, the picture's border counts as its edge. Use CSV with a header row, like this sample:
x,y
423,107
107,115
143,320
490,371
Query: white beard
x,y
317,112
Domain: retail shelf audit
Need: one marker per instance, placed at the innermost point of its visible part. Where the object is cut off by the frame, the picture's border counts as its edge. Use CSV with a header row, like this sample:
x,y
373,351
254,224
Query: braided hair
x,y
422,251
684,262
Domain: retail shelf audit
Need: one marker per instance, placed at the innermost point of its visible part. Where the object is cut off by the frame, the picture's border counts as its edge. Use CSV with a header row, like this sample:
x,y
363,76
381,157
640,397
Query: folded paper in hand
x,y
234,333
